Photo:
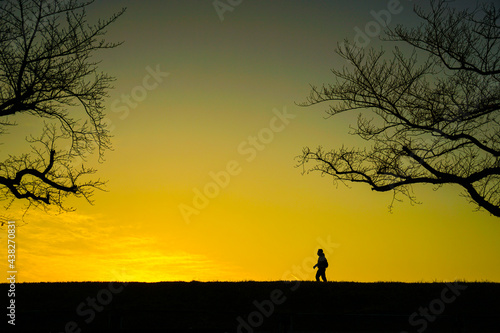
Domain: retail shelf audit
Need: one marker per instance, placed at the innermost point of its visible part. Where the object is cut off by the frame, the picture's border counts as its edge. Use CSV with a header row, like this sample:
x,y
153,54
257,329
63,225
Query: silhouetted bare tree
x,y
434,112
46,72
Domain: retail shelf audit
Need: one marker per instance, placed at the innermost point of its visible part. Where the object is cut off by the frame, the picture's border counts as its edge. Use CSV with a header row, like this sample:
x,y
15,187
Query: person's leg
x,y
318,273
323,276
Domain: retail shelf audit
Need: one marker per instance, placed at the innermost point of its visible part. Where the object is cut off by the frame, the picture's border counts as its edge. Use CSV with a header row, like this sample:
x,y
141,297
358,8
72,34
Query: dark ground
x,y
256,307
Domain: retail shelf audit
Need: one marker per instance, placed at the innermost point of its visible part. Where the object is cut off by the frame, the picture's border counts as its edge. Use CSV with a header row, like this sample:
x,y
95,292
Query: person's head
x,y
320,252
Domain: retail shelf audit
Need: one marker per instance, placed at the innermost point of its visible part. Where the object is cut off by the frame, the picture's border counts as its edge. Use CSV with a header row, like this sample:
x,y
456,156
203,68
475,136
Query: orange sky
x,y
219,117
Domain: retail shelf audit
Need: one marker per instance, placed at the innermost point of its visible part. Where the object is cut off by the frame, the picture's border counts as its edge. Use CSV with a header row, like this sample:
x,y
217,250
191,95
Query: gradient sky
x,y
227,81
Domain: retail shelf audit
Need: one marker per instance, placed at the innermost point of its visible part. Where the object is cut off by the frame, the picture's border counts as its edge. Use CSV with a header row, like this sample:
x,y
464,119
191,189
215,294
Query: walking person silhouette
x,y
322,265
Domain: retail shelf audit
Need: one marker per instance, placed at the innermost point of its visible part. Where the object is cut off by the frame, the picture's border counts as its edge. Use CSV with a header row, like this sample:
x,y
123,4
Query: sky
x,y
203,182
